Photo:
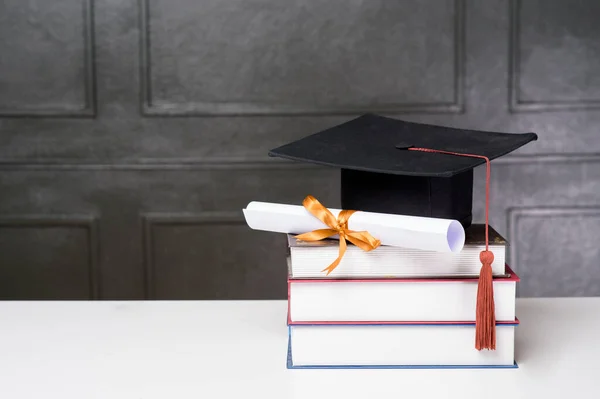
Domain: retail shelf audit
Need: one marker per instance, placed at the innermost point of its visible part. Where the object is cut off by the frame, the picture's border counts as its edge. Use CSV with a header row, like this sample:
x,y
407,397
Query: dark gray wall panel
x,y
307,57
555,53
144,218
556,183
46,68
119,135
540,207
212,256
48,257
153,167
554,250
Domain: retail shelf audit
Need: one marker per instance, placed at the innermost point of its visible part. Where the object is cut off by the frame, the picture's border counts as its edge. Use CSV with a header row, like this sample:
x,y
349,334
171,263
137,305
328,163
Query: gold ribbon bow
x,y
339,226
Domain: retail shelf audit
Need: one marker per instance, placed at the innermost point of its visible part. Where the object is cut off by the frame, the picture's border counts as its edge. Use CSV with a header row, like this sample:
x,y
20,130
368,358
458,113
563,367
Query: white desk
x,y
172,350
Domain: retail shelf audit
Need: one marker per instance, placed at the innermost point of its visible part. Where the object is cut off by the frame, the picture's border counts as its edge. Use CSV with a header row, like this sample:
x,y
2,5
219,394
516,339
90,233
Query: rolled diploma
x,y
429,234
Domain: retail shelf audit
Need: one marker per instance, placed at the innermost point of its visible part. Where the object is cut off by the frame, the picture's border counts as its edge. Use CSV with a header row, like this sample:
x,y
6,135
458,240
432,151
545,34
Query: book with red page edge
x,y
511,276
393,323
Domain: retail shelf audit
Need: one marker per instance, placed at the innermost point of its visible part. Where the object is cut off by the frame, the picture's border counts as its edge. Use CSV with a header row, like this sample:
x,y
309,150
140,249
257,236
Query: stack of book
x,y
417,290
396,307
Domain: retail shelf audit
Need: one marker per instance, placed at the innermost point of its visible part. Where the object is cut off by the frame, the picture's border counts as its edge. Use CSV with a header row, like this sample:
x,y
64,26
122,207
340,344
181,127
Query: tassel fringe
x,y
485,324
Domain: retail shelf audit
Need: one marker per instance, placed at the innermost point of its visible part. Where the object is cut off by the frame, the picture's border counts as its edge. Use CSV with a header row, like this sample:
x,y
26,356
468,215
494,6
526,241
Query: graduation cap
x,y
379,172
399,167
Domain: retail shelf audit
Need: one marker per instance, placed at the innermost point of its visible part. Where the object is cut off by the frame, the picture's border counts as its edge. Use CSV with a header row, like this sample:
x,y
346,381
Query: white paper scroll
x,y
429,234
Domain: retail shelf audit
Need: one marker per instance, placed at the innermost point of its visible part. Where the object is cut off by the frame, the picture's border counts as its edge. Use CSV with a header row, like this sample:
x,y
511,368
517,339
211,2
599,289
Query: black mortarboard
x,y
380,174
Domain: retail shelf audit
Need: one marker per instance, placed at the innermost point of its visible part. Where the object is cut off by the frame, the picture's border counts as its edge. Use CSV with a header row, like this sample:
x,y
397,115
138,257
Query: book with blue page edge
x,y
290,364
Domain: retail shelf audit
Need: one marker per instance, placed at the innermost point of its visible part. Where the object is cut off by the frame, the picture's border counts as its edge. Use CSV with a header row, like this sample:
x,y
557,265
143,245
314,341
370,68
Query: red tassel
x,y
485,319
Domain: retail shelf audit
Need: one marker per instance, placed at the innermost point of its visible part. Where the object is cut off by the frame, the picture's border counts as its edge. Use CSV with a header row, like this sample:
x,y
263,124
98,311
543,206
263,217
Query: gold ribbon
x,y
339,226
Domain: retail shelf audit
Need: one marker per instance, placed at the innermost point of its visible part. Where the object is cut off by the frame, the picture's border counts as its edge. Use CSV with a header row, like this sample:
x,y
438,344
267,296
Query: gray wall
x,y
133,132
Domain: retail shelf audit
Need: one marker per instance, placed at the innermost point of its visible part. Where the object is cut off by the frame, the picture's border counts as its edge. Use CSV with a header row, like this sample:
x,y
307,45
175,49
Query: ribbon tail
x,y
316,235
336,262
363,240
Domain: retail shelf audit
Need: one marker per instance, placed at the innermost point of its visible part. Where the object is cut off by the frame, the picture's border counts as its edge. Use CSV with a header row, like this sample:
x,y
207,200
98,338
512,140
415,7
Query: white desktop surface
x,y
237,349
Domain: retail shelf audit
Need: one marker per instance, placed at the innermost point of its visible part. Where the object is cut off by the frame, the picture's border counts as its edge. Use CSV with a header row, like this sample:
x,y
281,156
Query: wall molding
x,y
158,164
205,109
152,219
87,222
89,80
241,163
516,214
548,158
516,104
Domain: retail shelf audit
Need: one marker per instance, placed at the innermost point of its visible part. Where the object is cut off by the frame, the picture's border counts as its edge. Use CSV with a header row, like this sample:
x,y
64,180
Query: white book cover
x,y
396,300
